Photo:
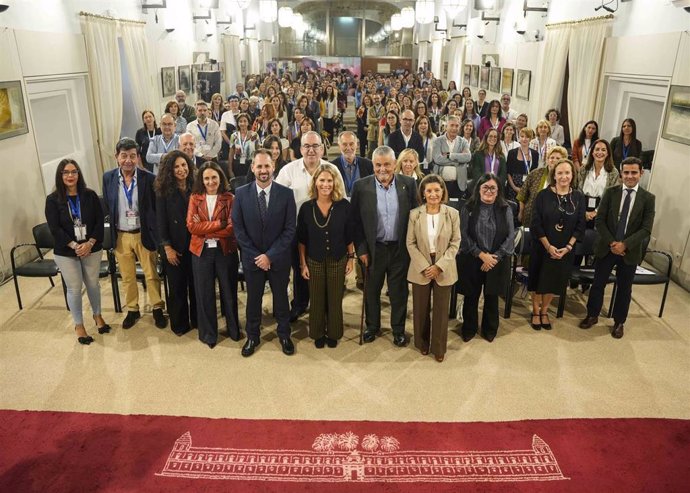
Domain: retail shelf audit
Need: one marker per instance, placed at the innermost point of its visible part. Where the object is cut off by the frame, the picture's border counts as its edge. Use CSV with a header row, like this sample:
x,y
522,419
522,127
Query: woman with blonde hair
x,y
216,108
325,236
408,164
536,181
542,143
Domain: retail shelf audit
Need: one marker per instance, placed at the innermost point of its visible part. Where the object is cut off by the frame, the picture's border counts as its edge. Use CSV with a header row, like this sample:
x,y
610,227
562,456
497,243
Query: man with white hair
x,y
451,157
509,114
160,144
297,175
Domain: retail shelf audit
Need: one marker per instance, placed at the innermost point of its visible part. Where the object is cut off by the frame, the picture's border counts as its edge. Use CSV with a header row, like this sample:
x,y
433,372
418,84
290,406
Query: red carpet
x,y
56,452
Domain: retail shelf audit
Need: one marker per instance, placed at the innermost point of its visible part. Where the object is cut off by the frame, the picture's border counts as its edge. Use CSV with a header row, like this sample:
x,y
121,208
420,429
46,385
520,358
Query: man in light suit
x,y
374,115
128,193
406,138
451,156
382,204
264,217
624,222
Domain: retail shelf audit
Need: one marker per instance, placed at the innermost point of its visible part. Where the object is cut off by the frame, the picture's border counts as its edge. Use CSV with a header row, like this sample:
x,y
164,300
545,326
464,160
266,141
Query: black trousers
x,y
256,280
390,264
624,278
208,267
470,308
300,286
182,300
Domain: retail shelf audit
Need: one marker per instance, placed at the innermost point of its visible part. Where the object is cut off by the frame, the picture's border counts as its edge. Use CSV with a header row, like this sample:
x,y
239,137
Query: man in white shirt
x,y
406,138
508,114
160,144
297,175
206,134
451,155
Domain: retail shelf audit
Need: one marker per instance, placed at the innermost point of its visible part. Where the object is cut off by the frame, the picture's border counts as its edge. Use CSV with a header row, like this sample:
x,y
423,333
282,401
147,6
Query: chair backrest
x,y
237,182
586,246
107,238
42,236
523,241
104,206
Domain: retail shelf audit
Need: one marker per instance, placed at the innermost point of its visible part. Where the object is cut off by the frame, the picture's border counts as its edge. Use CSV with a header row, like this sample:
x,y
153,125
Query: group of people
x,y
386,218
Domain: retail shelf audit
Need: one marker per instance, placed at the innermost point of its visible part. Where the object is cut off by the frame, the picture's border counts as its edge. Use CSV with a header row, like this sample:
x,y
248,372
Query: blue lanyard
x,y
129,194
349,181
203,132
528,162
74,208
626,149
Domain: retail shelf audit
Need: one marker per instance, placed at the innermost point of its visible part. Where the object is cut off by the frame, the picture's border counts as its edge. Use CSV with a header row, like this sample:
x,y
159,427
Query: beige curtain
x,y
584,62
436,57
253,59
145,86
548,83
423,54
456,61
103,55
233,67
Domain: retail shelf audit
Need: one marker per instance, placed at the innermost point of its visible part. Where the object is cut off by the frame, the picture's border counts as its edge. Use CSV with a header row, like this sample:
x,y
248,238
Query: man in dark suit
x,y
382,205
263,216
406,138
624,222
351,167
128,193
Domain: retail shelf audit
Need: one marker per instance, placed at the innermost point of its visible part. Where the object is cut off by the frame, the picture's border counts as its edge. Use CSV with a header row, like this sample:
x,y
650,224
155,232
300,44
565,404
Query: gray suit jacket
x,y
366,217
459,157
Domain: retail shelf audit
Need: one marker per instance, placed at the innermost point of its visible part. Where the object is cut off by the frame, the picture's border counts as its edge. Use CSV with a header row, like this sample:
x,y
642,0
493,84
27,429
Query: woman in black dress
x,y
173,187
558,221
144,136
520,162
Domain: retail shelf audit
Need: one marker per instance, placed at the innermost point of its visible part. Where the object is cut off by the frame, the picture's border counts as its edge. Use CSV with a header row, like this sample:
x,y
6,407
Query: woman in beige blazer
x,y
433,239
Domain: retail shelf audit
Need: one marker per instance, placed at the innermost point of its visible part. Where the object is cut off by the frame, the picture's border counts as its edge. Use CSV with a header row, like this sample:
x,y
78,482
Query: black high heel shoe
x,y
541,319
103,329
85,340
532,324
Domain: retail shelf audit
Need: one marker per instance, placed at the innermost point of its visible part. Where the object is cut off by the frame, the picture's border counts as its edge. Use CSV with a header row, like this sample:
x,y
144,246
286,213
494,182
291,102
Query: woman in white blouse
x,y
542,143
508,138
423,127
595,176
554,116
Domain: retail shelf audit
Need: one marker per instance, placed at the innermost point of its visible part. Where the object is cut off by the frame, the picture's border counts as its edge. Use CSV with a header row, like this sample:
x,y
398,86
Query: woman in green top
x,y
536,181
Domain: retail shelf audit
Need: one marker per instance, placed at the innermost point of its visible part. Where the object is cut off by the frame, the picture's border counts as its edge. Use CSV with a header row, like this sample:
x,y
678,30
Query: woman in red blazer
x,y
215,252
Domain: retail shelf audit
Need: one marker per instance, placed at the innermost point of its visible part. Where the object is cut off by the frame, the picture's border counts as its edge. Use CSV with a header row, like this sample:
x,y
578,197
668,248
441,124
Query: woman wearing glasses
x,y
488,236
75,218
558,221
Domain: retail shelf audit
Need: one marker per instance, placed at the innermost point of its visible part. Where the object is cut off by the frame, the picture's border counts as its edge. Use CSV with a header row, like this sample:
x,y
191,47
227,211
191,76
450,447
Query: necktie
x,y
351,170
623,219
262,205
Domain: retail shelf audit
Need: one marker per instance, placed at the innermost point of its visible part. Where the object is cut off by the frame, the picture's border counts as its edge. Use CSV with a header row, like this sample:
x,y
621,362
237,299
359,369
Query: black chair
x,y
108,267
656,277
40,267
584,275
236,182
522,247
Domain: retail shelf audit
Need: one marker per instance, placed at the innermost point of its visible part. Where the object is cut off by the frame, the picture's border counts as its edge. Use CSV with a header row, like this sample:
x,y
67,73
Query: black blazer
x,y
366,168
147,204
366,217
275,238
171,220
143,140
396,141
516,166
62,227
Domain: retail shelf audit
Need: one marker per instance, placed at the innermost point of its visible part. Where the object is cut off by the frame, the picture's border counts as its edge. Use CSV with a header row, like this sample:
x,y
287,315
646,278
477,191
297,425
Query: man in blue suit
x,y
263,217
128,193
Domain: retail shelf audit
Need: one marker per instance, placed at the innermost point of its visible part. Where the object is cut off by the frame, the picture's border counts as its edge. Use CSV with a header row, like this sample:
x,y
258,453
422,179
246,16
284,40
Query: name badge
x,y
212,243
132,217
243,160
80,232
591,202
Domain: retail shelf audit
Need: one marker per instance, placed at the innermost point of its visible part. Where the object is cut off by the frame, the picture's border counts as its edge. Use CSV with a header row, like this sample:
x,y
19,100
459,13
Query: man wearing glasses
x,y
406,137
296,175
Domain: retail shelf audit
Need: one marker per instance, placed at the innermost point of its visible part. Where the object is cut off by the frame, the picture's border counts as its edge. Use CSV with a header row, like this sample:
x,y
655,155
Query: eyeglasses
x,y
489,189
311,147
73,172
408,119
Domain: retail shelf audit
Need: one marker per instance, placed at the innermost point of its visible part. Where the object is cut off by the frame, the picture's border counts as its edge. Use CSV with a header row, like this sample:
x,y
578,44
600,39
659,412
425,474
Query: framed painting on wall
x,y
474,76
12,112
484,78
184,80
677,119
200,57
168,81
507,81
466,75
196,68
495,79
522,86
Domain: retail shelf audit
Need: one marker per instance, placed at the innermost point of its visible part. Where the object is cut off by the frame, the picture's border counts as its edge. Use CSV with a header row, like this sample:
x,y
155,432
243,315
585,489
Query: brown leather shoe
x,y
617,331
439,358
589,322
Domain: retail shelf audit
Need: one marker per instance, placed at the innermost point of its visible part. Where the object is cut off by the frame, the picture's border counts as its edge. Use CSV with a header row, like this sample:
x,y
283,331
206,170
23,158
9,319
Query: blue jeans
x,y
75,272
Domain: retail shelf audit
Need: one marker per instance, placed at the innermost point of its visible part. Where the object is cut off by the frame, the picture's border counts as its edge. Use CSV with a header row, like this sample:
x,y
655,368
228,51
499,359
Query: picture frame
x,y
474,76
196,68
522,85
676,125
484,78
507,81
466,75
200,57
495,80
168,81
492,59
13,120
184,78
